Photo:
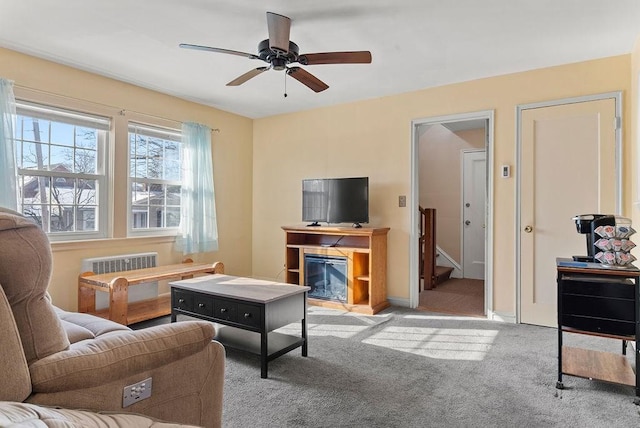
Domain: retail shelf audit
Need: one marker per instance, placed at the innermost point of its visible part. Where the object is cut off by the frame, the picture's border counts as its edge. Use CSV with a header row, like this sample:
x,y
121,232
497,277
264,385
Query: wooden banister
x,y
427,245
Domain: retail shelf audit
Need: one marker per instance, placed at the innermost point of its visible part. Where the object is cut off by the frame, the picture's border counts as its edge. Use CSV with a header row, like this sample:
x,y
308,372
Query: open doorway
x,y
451,183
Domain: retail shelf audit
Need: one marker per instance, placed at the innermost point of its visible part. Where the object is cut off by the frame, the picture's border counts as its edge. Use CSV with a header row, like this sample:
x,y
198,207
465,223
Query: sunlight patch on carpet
x,y
438,343
341,331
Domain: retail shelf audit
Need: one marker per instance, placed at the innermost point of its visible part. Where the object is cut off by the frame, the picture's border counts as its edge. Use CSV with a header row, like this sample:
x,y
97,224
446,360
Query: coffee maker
x,y
587,224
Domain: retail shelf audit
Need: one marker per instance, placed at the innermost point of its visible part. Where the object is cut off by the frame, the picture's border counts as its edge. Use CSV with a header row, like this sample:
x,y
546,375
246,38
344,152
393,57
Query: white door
x,y
473,213
568,167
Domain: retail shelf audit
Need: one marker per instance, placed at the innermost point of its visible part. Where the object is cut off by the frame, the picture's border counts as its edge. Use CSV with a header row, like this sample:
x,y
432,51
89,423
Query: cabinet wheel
x,y
559,385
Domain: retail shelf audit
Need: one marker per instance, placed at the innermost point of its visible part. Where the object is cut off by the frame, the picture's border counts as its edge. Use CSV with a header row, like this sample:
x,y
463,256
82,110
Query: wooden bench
x,y
117,285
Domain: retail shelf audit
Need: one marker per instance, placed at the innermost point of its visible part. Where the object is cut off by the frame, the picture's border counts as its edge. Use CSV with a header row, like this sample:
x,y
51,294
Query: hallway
x,y
455,296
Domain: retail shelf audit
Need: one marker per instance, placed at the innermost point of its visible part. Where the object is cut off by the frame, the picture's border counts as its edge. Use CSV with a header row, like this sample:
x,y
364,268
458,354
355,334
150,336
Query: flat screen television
x,y
335,200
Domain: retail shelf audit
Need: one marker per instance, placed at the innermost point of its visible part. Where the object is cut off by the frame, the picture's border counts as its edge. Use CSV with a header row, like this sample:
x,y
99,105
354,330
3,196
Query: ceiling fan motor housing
x,y
276,57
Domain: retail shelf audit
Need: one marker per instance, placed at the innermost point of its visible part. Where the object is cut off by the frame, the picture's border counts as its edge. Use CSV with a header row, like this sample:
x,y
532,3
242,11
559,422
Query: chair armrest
x,y
118,355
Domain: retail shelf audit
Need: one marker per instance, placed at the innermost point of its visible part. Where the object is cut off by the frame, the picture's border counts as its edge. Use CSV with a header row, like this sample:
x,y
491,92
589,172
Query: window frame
x,y
82,118
157,131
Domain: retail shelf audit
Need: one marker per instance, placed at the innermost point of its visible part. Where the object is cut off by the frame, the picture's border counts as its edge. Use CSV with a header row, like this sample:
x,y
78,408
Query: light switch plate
x,y
402,201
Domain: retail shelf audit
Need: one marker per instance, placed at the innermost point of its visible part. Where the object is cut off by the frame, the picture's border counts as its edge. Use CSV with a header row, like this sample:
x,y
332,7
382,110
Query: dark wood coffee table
x,y
247,311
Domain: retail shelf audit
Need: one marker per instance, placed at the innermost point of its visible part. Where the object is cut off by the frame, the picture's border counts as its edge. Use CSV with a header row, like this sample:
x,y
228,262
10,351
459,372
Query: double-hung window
x,y
62,181
155,179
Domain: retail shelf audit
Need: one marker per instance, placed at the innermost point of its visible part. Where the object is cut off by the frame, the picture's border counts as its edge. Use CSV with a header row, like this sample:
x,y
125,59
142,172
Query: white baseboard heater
x,y
119,263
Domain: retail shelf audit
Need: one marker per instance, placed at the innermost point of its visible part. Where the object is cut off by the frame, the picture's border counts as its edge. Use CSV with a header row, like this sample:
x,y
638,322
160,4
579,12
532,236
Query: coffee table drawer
x,y
249,315
183,300
203,305
225,310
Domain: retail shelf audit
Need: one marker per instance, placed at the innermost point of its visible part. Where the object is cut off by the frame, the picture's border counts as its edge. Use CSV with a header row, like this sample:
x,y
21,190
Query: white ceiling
x,y
415,44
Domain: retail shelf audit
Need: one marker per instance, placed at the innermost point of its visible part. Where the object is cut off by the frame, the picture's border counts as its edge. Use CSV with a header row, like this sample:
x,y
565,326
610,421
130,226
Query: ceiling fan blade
x,y
358,57
308,79
218,50
279,27
246,76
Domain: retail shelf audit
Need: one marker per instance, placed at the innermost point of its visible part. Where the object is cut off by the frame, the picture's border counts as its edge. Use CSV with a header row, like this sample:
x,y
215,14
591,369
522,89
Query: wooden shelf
x,y
143,310
365,250
331,247
591,333
597,365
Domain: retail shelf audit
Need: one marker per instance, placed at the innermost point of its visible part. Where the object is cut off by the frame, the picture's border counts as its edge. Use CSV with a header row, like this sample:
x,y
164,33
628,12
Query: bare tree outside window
x,y
58,173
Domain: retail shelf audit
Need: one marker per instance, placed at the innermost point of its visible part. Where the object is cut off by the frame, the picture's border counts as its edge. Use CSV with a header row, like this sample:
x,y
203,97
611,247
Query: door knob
x,y
528,229
468,222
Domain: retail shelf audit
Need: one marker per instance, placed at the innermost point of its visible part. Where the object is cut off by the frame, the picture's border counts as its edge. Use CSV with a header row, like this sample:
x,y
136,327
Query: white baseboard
x,y
396,301
496,316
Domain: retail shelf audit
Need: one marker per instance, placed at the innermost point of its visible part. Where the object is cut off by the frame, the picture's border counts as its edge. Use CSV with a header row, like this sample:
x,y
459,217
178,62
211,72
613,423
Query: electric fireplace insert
x,y
327,277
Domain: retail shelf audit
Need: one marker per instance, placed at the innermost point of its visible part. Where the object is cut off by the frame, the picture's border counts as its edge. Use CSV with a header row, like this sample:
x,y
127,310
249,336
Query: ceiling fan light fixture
x,y
278,63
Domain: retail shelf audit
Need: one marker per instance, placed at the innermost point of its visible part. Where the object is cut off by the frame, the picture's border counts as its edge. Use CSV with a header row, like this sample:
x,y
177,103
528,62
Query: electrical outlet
x,y
402,201
136,392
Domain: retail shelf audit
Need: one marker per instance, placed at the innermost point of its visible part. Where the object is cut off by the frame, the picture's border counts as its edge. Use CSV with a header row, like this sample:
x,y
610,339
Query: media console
x,y
365,251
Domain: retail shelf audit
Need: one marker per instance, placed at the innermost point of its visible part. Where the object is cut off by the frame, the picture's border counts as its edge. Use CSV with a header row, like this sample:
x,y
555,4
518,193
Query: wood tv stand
x,y
366,252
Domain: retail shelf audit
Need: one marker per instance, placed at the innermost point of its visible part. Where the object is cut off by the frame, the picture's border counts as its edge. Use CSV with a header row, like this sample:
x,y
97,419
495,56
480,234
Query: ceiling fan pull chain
x,y
285,83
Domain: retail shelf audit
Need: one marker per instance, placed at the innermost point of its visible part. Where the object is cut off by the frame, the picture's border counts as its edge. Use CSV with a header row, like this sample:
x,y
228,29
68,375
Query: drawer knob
x,y
247,315
223,310
201,305
180,300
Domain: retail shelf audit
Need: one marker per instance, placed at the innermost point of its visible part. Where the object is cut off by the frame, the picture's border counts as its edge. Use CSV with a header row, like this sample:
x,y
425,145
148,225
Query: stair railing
x,y
427,247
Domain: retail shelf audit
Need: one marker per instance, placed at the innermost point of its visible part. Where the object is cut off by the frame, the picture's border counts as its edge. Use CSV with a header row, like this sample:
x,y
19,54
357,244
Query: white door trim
x,y
617,96
487,115
462,201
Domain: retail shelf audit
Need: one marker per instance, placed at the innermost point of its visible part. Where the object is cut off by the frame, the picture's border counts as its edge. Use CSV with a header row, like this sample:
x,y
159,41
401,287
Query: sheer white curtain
x,y
199,228
8,171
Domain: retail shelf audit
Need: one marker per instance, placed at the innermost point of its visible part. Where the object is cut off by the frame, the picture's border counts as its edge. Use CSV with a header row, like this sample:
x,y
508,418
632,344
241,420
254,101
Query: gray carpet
x,y
405,368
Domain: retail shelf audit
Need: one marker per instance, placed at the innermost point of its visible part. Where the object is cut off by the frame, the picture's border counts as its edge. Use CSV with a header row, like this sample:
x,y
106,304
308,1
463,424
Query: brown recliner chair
x,y
79,361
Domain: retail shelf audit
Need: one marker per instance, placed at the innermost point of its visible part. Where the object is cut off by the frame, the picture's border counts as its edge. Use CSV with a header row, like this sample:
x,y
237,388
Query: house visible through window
x,y
61,171
155,177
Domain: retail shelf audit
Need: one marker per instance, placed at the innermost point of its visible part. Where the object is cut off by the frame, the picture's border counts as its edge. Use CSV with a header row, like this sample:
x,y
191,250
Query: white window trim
x,y
103,179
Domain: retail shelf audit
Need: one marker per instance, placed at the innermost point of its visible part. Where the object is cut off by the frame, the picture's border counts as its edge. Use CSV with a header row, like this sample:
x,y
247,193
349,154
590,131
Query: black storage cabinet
x,y
599,301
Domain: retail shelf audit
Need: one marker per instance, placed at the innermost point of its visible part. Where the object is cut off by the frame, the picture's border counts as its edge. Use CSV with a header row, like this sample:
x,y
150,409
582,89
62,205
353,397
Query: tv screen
x,y
336,200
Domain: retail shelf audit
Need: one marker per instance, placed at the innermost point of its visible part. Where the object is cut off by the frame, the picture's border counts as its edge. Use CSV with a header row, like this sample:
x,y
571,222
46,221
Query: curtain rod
x,y
122,111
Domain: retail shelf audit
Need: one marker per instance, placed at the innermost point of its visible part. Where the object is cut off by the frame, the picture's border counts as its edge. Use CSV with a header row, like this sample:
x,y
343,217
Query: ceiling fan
x,y
279,52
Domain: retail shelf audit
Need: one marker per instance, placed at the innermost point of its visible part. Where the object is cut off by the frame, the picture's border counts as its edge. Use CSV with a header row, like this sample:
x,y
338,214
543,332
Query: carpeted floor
x,y
406,368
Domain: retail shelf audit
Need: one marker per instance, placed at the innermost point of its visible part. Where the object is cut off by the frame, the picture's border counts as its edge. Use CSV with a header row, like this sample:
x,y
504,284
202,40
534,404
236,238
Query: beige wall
x,y
259,164
373,138
232,152
440,180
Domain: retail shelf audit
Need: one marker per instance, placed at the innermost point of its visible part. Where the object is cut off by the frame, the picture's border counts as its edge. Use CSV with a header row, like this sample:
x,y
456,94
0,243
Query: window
x,y
155,177
61,170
